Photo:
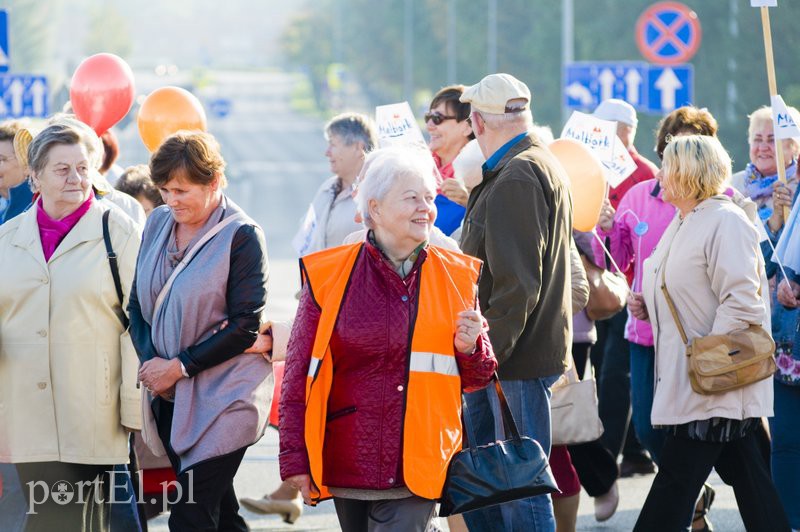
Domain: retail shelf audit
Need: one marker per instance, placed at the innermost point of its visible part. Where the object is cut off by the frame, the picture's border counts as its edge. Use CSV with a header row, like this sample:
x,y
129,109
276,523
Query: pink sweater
x,y
640,221
52,232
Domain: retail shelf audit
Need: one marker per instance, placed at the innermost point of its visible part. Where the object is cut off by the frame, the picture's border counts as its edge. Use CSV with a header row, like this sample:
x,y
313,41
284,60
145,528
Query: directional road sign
x,y
668,33
220,107
669,87
3,40
23,95
649,88
588,84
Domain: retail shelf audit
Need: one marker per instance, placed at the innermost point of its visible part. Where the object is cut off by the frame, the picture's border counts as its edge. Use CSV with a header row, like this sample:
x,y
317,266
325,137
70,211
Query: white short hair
x,y
515,120
468,161
384,166
763,115
545,133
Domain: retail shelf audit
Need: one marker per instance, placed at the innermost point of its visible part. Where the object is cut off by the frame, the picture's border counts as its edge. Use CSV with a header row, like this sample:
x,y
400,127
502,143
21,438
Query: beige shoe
x,y
606,505
290,510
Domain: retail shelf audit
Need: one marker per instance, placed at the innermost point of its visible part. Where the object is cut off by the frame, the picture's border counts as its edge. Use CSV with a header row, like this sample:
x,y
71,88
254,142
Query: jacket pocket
x,y
340,413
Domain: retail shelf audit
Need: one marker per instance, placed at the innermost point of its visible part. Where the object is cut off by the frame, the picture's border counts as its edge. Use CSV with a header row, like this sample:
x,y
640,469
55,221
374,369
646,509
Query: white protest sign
x,y
396,125
620,166
598,135
764,3
785,126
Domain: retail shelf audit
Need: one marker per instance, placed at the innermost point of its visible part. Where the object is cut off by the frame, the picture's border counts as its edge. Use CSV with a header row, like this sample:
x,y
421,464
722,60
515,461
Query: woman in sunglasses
x,y
449,132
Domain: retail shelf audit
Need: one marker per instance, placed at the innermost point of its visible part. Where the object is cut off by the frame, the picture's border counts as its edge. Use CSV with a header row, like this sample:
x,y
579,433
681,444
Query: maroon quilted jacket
x,y
370,349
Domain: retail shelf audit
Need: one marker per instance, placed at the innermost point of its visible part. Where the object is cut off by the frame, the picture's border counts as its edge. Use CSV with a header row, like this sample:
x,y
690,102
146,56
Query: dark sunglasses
x,y
437,118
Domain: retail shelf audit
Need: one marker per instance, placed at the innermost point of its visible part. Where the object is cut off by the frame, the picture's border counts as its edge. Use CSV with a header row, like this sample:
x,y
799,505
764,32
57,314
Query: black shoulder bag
x,y
112,261
496,473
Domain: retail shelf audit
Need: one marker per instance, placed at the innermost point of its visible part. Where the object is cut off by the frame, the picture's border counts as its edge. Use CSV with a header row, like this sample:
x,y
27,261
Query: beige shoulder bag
x,y
724,362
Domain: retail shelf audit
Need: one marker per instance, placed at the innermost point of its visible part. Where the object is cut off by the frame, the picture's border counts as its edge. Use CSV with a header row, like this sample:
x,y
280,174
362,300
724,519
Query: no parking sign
x,y
668,33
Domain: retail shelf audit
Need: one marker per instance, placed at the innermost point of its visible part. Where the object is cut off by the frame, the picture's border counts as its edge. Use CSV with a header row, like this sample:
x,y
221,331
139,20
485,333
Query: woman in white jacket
x,y
67,367
710,260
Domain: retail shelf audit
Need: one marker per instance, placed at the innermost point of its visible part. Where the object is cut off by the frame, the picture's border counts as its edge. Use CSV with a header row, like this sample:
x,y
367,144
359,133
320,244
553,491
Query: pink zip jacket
x,y
640,221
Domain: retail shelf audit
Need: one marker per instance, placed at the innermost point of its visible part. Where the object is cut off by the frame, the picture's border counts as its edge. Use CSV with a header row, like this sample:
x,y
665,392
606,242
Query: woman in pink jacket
x,y
633,231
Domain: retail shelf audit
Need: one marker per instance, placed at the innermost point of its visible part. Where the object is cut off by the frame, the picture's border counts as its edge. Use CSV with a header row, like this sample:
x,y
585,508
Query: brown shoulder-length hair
x,y
687,120
450,97
197,153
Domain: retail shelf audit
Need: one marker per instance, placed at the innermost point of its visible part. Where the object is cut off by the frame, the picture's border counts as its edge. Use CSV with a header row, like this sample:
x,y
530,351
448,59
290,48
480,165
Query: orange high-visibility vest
x,y
432,422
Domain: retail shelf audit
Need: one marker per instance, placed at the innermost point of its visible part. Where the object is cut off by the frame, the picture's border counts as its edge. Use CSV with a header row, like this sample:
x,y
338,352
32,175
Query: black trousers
x,y
208,501
412,514
685,466
65,497
595,465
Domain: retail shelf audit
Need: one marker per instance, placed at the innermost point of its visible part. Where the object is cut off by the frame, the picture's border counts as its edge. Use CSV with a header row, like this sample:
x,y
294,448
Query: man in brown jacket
x,y
519,222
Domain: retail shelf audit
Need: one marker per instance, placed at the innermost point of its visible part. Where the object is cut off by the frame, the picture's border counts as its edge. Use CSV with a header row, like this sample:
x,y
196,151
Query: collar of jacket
x,y
419,255
526,142
88,228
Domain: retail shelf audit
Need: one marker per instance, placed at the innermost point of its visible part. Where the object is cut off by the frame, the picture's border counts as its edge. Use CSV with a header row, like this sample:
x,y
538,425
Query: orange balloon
x,y
166,111
587,181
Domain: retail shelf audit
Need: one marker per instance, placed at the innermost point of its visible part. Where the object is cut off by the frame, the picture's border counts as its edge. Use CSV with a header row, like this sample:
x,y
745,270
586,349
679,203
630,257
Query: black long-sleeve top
x,y
246,297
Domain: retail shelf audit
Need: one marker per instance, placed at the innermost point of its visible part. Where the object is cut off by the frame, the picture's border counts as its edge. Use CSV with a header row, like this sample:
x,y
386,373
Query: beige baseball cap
x,y
494,92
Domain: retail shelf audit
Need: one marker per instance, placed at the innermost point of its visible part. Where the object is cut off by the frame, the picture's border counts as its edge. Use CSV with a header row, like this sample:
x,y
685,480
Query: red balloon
x,y
102,91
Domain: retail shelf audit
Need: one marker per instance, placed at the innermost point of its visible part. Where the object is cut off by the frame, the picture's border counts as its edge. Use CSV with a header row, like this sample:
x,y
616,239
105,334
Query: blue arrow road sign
x,y
648,88
669,87
220,107
588,84
23,95
3,40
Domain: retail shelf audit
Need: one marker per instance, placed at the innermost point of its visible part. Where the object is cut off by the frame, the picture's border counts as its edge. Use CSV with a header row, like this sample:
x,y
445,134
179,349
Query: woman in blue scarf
x,y
759,181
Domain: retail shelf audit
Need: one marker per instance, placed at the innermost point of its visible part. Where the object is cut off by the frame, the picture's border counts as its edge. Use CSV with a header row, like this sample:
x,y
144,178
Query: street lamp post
x,y
408,53
491,62
451,42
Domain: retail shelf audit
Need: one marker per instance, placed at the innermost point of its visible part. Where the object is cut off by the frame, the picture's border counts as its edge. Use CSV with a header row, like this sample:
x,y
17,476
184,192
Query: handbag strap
x,y
509,424
190,255
112,262
671,304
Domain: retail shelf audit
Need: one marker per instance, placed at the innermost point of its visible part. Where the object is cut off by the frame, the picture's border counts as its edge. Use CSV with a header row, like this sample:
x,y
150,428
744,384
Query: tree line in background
x,y
367,37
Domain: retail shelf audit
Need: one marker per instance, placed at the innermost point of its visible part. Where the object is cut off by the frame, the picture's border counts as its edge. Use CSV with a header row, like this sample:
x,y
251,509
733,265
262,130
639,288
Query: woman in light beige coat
x,y
67,368
711,262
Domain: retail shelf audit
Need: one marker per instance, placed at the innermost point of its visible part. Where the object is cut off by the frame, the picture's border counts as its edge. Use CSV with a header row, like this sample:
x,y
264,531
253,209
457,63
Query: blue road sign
x,y
23,95
588,84
4,41
648,88
220,107
669,87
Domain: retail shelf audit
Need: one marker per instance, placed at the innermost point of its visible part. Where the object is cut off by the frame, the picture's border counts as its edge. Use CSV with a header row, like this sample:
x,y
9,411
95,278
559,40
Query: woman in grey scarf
x,y
196,306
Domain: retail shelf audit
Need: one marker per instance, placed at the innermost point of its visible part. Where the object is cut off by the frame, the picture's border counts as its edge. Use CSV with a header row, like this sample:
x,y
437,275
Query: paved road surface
x,y
275,163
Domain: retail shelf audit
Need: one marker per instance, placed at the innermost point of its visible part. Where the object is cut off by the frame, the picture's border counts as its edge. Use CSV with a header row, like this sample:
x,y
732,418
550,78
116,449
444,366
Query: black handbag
x,y
496,473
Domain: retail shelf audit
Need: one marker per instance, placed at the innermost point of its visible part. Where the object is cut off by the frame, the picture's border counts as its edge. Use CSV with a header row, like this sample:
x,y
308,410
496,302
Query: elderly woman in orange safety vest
x,y
387,335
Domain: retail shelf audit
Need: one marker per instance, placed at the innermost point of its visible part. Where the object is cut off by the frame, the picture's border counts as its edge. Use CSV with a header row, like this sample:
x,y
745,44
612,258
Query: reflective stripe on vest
x,y
434,363
431,436
313,367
